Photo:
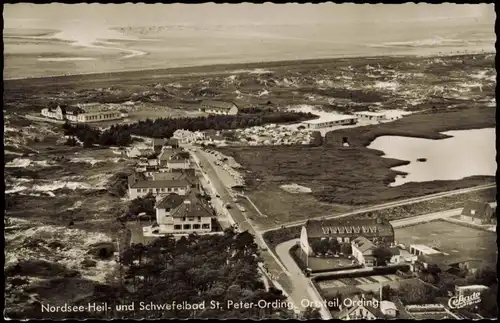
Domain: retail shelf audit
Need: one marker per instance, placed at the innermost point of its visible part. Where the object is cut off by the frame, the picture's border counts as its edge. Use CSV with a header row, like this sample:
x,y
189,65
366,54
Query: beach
x,y
80,49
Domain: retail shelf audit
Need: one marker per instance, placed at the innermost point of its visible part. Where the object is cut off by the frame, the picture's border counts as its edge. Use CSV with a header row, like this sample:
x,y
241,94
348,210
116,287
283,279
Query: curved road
x,y
303,289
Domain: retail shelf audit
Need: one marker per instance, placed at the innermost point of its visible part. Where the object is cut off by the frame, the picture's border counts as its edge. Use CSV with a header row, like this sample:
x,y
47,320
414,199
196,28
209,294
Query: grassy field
x,y
347,176
453,239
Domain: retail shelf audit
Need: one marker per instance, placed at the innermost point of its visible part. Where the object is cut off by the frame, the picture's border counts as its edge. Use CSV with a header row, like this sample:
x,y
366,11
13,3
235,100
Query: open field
x,y
451,238
346,175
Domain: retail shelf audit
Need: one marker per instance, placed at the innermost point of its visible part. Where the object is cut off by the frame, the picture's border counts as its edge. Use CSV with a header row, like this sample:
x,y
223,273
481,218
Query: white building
x,y
178,214
368,115
388,308
219,107
420,249
186,136
470,289
179,161
362,251
361,308
135,152
330,121
81,114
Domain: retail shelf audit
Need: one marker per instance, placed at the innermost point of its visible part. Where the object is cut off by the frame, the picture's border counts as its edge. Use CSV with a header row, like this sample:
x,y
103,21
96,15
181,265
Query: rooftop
x,y
331,118
191,205
375,227
363,244
140,181
370,113
425,249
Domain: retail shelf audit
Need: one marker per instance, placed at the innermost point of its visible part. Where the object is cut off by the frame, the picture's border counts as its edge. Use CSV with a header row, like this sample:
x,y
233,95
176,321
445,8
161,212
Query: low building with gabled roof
x,y
478,213
139,186
219,107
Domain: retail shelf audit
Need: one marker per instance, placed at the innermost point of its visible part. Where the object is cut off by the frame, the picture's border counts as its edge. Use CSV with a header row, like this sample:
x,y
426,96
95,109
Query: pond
x,y
466,153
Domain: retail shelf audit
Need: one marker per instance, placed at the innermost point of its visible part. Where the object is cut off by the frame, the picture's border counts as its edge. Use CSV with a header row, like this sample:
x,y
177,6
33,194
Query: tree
x,y
415,292
382,255
482,276
387,292
488,307
311,313
346,248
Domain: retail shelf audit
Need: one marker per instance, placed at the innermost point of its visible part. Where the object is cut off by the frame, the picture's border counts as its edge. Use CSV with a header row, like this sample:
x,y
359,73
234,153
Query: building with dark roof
x,y
361,308
376,230
139,185
478,213
178,214
219,107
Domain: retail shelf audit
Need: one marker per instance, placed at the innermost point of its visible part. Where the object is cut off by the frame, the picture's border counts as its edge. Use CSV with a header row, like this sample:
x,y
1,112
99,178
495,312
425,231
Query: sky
x,y
58,15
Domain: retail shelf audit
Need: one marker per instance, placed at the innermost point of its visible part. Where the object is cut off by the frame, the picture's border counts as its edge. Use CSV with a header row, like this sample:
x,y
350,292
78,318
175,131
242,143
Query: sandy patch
x,y
295,188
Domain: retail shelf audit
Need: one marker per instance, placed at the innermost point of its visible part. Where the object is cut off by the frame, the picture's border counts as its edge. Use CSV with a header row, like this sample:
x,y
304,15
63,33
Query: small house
x,y
478,213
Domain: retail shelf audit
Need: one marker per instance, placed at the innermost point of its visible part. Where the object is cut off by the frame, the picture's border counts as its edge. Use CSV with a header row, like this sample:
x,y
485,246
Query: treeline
x,y
89,136
257,109
165,128
120,135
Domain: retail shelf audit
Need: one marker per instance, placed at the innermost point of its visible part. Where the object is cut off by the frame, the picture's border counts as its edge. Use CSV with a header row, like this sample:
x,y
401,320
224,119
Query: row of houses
x,y
181,206
82,114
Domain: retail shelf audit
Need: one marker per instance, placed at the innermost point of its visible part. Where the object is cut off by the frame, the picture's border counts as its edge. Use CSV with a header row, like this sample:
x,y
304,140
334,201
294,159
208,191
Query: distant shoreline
x,y
230,67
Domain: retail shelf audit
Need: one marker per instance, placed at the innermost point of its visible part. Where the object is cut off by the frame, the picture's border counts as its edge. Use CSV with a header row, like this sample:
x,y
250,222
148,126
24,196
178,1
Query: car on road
x,y
228,206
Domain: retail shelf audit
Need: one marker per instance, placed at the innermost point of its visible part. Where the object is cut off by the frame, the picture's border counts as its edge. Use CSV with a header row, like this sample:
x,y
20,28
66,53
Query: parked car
x,y
228,206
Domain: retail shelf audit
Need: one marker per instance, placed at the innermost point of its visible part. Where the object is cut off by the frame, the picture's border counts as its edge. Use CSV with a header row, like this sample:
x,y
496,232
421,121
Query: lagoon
x,y
466,153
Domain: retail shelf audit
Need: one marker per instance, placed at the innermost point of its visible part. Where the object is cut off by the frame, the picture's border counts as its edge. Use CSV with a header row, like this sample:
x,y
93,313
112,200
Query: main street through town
x,y
300,287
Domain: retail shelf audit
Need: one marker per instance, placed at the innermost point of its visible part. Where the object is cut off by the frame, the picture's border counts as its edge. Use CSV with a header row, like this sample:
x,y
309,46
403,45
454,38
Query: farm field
x,y
451,238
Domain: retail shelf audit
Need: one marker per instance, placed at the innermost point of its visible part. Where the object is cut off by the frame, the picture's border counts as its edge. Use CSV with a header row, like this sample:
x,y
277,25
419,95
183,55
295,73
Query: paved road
x,y
390,205
303,289
239,218
425,218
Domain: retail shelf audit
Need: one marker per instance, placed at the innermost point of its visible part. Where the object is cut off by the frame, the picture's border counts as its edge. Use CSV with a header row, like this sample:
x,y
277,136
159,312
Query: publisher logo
x,y
464,301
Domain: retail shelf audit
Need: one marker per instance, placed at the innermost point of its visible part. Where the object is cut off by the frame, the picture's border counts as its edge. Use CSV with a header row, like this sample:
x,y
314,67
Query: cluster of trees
x,y
317,139
414,292
257,109
120,135
118,184
195,269
382,255
165,128
89,136
140,205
